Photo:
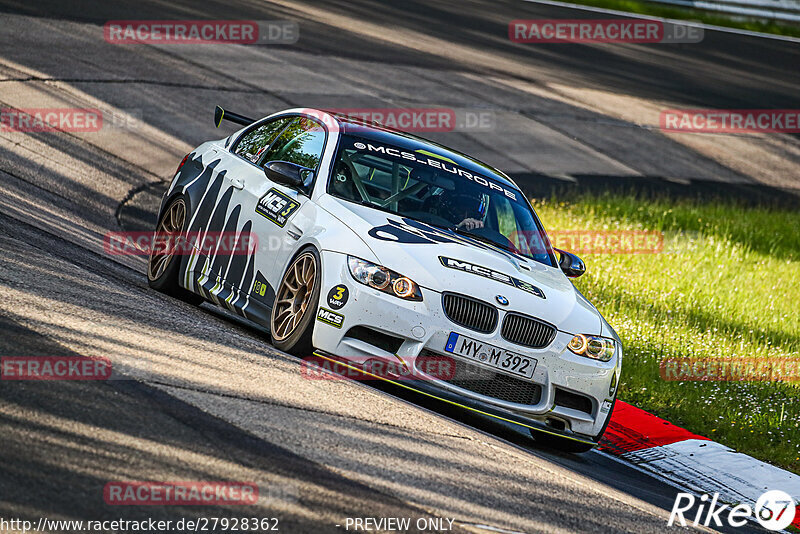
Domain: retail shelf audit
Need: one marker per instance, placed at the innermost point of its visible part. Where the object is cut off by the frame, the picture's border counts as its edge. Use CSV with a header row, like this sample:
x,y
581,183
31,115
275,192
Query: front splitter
x,y
422,388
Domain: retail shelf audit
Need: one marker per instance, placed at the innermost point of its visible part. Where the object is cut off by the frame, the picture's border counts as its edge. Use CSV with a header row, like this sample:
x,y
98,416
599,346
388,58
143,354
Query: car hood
x,y
444,261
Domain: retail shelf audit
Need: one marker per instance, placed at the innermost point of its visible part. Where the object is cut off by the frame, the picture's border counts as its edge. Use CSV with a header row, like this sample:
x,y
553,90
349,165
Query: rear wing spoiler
x,y
220,114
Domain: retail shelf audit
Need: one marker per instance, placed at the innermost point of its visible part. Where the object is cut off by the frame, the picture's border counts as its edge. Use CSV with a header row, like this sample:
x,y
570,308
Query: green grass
x,y
680,13
726,284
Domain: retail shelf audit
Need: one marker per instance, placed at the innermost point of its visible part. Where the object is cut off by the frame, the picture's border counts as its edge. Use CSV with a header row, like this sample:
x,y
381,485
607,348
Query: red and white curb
x,y
693,462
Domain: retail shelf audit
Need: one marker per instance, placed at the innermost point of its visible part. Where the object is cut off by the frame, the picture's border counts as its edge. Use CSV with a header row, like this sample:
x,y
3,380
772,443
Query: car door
x,y
302,143
223,271
268,207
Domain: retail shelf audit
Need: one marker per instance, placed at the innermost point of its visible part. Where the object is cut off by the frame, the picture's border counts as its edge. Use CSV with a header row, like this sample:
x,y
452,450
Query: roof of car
x,y
410,142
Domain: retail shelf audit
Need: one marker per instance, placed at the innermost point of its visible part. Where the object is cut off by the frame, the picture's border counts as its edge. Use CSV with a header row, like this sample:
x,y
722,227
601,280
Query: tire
x,y
292,320
163,269
566,444
608,420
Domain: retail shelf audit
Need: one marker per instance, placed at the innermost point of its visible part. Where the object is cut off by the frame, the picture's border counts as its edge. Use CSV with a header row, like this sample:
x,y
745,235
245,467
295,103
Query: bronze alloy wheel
x,y
170,225
294,296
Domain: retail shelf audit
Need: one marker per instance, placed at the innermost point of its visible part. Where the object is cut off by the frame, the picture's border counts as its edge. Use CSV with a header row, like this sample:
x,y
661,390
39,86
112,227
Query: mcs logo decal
x,y
491,274
476,269
277,207
330,317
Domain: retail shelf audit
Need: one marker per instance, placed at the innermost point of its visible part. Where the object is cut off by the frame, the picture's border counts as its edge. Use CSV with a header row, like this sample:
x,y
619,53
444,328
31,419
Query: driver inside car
x,y
468,210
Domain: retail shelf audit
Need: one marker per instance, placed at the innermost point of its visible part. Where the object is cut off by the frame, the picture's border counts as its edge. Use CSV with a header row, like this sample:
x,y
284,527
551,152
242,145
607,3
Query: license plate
x,y
491,356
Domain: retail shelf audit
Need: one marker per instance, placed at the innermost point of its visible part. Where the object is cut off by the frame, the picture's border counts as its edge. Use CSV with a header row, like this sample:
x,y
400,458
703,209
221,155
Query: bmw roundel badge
x,y
501,300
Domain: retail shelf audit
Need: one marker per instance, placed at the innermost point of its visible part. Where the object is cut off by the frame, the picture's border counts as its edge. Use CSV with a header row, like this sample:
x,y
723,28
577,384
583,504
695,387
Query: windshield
x,y
431,188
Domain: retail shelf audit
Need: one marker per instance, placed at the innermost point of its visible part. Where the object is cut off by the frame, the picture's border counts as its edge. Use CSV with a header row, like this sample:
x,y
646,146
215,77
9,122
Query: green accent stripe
x,y
538,429
437,156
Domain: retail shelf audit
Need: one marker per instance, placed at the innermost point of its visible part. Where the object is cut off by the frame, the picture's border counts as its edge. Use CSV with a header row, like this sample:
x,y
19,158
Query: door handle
x,y
238,183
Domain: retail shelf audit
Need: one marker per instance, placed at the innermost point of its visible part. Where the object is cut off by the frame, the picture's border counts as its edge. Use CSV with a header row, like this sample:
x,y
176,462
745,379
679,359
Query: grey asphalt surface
x,y
198,395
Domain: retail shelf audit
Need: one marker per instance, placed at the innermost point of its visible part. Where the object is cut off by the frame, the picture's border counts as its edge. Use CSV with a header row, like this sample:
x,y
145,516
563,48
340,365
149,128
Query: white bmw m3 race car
x,y
398,257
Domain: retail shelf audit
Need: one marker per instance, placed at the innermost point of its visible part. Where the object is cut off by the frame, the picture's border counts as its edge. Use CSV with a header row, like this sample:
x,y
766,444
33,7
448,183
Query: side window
x,y
254,142
302,143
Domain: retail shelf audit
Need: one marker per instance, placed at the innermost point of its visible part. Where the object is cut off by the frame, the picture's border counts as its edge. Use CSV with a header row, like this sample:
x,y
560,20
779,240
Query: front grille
x,y
527,331
485,381
470,313
574,401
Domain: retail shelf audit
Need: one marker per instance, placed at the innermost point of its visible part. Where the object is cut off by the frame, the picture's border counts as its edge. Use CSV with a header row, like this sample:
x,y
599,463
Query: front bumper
x,y
423,328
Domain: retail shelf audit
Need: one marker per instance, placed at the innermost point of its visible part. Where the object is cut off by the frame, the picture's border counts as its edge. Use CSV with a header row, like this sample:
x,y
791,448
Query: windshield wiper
x,y
467,233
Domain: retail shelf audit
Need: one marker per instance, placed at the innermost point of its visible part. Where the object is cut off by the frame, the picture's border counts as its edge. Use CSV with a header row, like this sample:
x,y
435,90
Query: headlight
x,y
594,347
383,279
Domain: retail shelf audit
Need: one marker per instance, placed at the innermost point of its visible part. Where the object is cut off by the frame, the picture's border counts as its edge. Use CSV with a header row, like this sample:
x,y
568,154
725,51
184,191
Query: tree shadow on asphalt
x,y
64,441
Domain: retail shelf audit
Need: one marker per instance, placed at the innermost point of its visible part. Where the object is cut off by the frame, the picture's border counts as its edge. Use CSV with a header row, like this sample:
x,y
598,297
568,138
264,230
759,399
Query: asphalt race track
x,y
198,394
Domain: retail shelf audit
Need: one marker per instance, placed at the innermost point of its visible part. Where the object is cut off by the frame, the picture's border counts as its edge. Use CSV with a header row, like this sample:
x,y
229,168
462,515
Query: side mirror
x,y
289,174
571,264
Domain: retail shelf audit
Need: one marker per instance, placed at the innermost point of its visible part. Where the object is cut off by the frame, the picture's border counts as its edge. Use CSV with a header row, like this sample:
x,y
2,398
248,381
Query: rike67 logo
x,y
774,510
